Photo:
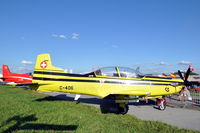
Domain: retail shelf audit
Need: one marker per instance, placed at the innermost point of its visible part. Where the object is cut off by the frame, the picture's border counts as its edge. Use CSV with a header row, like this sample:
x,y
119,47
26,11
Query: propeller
x,y
180,74
187,74
186,82
185,78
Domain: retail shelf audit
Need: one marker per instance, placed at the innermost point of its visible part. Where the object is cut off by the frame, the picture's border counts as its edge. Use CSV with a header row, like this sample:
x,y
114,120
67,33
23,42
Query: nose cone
x,y
178,89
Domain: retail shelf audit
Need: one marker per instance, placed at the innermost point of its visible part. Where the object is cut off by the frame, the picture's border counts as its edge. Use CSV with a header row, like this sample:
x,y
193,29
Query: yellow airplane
x,y
119,83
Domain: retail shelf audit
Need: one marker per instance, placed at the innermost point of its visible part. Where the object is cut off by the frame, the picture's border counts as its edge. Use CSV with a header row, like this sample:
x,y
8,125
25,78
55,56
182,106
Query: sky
x,y
157,35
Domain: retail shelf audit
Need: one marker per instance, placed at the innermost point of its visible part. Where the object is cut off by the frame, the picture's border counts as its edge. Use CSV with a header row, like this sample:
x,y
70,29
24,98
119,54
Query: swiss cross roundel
x,y
43,64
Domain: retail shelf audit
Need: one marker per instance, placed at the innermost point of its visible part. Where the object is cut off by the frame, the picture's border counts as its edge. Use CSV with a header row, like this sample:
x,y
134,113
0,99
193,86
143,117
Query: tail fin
x,y
5,70
43,63
44,70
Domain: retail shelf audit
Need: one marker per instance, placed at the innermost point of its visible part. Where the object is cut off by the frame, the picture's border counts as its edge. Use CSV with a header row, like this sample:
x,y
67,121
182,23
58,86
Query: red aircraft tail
x,y
5,70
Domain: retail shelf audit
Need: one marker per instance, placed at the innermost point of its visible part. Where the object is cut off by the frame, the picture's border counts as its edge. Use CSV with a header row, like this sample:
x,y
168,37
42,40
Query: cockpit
x,y
117,72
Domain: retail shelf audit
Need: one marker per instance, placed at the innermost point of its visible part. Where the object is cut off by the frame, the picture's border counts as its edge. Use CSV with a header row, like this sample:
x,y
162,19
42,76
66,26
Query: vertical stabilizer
x,y
5,70
43,63
44,69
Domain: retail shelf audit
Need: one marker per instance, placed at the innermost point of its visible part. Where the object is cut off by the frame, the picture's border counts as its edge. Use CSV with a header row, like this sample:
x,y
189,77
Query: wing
x,y
132,92
33,86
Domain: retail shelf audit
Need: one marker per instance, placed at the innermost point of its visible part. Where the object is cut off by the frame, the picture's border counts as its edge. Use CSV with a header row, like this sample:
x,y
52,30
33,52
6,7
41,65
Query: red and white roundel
x,y
43,64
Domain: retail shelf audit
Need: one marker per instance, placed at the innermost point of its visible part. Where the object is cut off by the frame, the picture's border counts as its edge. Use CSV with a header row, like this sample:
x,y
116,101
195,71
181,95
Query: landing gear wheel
x,y
122,110
162,107
161,103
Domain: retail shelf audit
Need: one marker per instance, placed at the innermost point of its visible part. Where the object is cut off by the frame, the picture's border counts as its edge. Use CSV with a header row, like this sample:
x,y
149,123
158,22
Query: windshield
x,y
107,71
117,72
127,72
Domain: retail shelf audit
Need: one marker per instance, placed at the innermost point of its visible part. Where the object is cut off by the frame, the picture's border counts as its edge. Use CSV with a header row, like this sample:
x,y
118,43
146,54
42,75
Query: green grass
x,y
28,111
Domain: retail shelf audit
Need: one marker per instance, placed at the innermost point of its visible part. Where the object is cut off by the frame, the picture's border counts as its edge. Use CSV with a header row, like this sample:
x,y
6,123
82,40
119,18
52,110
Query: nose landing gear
x,y
161,103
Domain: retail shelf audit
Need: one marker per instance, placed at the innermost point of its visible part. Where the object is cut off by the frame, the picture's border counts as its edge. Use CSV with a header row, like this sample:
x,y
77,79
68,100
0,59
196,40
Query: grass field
x,y
28,111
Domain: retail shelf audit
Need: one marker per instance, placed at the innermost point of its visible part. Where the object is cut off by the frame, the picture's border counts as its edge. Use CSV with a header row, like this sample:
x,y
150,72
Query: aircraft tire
x,y
124,110
162,107
108,106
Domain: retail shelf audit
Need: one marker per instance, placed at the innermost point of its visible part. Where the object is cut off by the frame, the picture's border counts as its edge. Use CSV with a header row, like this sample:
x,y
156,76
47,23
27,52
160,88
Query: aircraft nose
x,y
178,89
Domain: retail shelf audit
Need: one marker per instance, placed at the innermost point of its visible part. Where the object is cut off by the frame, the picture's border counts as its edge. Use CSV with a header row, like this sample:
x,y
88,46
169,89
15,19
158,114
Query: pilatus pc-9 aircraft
x,y
9,77
119,83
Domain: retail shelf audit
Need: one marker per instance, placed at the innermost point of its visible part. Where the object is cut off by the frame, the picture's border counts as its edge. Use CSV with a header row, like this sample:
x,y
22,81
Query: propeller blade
x,y
187,74
180,74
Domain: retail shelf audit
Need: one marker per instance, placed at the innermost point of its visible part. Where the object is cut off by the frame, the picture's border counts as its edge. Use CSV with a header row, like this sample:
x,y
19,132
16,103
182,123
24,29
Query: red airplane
x,y
15,77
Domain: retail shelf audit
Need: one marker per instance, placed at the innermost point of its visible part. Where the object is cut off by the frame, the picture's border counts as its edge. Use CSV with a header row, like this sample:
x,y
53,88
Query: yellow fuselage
x,y
50,78
103,86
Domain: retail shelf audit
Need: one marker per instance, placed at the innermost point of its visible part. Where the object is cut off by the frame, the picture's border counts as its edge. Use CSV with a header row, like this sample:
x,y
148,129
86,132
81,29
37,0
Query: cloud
x,y
26,62
62,36
163,63
154,67
75,36
23,69
184,63
115,46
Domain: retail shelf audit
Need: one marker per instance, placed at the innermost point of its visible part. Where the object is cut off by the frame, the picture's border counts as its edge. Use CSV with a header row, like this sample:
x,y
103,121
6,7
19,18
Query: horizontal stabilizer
x,y
26,84
33,86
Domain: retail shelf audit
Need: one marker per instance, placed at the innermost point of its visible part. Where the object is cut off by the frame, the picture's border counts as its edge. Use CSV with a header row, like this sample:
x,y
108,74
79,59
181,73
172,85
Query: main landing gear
x,y
161,103
115,104
122,108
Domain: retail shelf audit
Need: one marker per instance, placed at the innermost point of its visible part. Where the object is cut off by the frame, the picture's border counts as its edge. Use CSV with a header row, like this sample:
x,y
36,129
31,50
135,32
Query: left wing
x,y
132,92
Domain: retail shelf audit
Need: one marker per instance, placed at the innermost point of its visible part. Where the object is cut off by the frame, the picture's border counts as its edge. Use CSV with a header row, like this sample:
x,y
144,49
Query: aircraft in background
x,y
13,78
1,76
120,84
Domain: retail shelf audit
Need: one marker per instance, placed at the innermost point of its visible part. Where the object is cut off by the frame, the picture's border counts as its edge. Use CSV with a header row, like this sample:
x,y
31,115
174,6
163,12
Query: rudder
x,y
5,70
44,69
43,63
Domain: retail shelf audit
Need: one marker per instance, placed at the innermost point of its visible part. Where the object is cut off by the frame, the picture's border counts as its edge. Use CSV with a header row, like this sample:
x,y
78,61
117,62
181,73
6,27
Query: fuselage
x,y
18,78
102,86
103,82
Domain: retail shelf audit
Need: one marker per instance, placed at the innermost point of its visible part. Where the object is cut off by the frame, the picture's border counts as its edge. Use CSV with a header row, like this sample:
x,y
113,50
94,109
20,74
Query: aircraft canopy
x,y
117,72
